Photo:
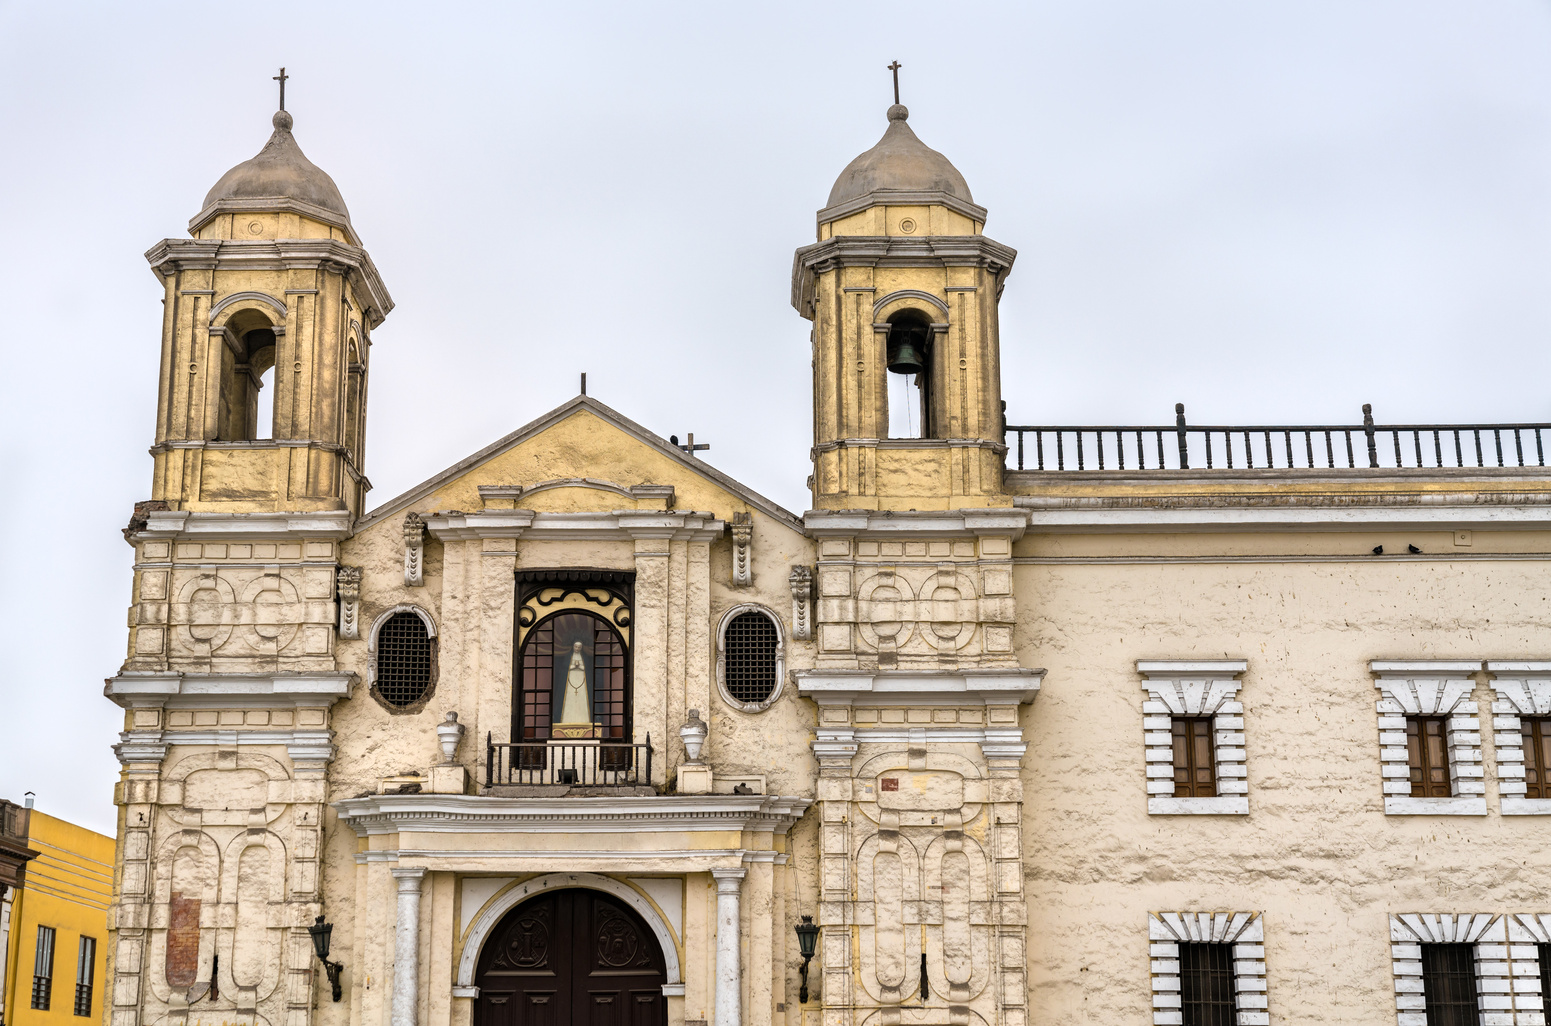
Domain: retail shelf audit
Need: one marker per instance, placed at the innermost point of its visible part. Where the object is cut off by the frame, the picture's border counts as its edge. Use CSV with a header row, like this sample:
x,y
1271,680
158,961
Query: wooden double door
x,y
568,957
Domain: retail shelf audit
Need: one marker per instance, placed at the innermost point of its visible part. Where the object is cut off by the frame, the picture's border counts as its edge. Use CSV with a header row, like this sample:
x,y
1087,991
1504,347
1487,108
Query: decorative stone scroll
x,y
348,581
414,550
742,550
801,581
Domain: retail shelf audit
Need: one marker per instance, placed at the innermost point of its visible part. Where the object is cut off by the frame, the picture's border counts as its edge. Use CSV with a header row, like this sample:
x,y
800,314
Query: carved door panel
x,y
571,957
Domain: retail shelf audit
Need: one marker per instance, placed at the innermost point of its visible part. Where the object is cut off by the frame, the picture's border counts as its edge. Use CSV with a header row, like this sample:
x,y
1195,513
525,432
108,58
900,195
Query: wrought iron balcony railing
x,y
577,763
1182,446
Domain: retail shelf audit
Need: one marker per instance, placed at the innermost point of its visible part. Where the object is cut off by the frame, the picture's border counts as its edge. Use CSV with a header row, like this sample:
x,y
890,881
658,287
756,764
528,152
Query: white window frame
x,y
721,657
1244,930
1525,931
1430,688
1521,689
371,648
1194,688
1408,931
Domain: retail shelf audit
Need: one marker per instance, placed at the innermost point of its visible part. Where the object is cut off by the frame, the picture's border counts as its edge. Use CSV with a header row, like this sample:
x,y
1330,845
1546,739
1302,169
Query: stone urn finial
x,y
693,734
448,734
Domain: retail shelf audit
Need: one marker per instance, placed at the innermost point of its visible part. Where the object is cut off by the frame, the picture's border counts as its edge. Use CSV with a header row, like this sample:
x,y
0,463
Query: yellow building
x,y
56,946
1017,724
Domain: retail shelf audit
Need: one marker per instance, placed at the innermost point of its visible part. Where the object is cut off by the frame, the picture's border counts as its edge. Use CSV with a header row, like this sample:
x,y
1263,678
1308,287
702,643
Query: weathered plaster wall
x,y
1316,853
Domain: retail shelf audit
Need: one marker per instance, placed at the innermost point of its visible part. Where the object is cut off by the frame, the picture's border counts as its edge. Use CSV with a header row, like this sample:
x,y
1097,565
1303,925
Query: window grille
x,y
1427,751
749,657
1195,772
1206,984
403,659
1544,952
43,969
85,963
1449,984
1537,756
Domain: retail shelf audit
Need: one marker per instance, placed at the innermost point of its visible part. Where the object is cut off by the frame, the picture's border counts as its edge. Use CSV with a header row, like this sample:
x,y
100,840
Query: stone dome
x,y
900,162
280,171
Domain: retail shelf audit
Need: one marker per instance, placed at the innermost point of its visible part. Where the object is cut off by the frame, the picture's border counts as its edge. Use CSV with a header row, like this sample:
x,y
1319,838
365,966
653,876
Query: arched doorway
x,y
571,956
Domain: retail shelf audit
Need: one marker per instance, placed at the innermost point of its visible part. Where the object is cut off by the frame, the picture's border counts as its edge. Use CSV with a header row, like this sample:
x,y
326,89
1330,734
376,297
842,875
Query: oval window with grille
x,y
403,660
751,660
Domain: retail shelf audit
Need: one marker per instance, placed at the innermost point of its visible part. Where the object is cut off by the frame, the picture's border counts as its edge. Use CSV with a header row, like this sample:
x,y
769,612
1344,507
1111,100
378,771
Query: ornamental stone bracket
x,y
347,580
742,550
414,550
801,581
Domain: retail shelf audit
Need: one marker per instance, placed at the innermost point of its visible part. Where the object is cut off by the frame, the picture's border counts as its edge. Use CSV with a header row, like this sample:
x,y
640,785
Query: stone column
x,y
729,974
406,949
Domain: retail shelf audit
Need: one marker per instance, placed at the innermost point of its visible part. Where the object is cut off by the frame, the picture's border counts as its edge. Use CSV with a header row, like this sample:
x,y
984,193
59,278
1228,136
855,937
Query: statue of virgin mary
x,y
577,708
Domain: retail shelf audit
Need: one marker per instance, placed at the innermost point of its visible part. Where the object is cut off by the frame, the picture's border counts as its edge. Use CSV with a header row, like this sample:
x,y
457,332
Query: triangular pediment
x,y
581,456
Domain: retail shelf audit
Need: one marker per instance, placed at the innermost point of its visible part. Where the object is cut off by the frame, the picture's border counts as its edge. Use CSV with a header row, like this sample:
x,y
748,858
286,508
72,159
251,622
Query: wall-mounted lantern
x,y
807,943
320,932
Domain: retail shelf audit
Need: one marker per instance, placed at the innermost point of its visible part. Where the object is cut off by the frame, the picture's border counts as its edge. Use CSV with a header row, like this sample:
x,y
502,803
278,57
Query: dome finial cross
x,y
892,67
283,76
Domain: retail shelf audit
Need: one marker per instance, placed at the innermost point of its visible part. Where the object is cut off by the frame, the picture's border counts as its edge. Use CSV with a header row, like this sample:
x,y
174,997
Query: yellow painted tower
x,y
902,289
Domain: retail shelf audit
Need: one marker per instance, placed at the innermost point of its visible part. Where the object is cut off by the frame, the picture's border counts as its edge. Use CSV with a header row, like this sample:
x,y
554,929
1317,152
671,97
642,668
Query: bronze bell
x,y
907,353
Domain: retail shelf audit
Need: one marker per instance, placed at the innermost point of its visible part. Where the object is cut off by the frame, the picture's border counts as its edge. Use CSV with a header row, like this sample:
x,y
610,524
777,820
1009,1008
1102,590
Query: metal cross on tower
x,y
892,67
283,76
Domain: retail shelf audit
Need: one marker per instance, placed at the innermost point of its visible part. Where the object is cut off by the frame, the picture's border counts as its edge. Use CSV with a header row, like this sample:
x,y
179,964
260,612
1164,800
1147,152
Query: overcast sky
x,y
1270,211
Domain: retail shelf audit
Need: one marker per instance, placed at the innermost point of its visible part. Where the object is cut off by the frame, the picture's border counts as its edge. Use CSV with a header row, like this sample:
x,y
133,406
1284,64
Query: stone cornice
x,y
150,746
621,525
903,198
986,523
1014,686
172,255
445,813
908,443
895,251
180,525
174,690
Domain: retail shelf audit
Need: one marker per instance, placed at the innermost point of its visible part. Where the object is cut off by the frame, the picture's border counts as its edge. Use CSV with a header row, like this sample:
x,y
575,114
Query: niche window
x,y
573,629
1427,756
750,658
1193,726
402,658
1208,968
1195,771
908,362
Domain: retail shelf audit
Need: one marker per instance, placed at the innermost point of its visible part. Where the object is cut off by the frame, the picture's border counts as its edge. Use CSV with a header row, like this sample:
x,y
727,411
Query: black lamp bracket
x,y
334,969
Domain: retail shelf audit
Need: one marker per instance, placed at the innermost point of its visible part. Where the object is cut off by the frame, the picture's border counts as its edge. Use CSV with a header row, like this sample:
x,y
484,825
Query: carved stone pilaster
x,y
347,580
414,550
801,581
742,550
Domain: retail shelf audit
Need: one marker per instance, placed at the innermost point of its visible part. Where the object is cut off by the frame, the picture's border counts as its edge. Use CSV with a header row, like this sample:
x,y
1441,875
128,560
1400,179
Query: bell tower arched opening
x,y
908,363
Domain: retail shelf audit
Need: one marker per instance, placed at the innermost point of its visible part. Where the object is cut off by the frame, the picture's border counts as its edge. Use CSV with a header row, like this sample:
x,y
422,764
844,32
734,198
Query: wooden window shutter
x,y
1195,770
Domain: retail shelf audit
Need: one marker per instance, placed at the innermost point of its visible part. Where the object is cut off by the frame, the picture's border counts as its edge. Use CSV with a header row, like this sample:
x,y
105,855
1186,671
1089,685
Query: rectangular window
x,y
1206,984
43,969
1427,752
1449,984
1195,773
85,961
1537,756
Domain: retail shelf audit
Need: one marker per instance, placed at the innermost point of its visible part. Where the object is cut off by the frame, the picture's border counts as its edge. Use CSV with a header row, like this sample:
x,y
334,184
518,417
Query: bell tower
x,y
269,309
902,290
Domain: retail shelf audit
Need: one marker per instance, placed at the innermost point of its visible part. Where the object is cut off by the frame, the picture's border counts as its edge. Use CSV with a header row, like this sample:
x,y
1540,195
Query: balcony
x,y
577,768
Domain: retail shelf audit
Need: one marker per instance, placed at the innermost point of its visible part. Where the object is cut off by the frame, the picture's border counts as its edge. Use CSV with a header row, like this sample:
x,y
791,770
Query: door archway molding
x,y
485,923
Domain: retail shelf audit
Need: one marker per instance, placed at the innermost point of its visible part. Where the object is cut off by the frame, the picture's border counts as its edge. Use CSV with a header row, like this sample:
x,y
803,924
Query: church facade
x,y
1015,725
